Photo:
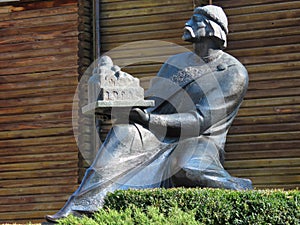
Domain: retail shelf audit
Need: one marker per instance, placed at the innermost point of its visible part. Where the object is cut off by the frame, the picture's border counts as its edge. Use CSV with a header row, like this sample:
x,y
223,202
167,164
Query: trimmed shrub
x,y
133,215
215,206
199,206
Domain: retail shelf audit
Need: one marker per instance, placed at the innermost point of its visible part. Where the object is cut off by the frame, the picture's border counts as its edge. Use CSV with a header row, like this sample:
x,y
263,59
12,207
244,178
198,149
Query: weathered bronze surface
x,y
180,141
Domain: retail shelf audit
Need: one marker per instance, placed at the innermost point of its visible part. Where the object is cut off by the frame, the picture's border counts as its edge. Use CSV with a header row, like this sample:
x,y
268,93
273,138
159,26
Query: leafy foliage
x,y
197,206
133,215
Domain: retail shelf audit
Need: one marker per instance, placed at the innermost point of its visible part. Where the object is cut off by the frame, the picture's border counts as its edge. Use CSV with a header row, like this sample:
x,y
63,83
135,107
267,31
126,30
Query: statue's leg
x,y
210,178
208,171
201,167
124,148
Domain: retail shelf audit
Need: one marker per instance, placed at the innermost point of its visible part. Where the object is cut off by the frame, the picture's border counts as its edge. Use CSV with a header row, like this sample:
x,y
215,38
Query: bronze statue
x,y
180,141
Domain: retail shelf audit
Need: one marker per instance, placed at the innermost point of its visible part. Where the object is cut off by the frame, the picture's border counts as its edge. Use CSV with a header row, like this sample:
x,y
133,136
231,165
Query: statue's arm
x,y
185,124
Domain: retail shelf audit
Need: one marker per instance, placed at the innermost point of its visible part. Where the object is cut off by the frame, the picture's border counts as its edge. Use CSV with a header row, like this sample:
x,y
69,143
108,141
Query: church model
x,y
111,87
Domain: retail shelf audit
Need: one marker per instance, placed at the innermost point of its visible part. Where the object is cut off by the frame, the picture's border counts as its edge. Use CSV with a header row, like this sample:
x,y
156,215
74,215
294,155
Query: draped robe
x,y
200,98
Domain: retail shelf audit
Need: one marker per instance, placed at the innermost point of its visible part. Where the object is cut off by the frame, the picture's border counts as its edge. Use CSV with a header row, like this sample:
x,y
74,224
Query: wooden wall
x,y
38,77
263,143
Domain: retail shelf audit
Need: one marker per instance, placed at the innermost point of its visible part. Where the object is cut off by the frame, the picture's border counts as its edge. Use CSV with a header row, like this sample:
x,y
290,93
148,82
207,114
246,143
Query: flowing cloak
x,y
204,98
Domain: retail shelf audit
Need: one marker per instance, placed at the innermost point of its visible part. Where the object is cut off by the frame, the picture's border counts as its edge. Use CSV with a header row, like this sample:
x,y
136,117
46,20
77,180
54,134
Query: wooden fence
x,y
38,77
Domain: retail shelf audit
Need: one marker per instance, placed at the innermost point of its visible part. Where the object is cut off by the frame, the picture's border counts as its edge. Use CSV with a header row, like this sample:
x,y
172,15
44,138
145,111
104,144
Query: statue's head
x,y
207,21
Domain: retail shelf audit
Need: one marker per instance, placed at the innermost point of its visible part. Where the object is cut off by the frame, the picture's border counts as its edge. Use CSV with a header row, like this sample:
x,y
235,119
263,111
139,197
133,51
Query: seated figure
x,y
179,142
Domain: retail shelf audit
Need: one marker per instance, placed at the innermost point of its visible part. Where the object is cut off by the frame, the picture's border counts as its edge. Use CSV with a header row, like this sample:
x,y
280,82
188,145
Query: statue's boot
x,y
242,184
210,178
67,209
64,212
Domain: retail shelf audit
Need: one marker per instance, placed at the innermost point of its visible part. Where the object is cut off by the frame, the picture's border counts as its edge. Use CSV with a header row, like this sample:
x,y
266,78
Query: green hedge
x,y
198,206
133,215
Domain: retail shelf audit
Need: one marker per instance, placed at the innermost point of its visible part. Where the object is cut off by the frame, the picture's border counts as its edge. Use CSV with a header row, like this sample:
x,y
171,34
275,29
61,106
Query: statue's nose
x,y
201,24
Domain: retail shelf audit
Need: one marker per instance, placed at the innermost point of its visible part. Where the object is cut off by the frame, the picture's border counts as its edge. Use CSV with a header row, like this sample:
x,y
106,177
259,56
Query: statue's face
x,y
196,28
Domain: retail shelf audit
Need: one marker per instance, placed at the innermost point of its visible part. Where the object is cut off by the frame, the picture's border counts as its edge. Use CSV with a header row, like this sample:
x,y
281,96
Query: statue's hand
x,y
139,116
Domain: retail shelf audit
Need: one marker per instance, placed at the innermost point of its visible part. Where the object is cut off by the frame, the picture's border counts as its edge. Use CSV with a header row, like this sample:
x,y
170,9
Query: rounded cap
x,y
214,13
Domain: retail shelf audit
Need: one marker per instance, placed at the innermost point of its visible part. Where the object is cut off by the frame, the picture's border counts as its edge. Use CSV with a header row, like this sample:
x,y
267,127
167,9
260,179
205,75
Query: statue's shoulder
x,y
181,60
234,66
232,71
